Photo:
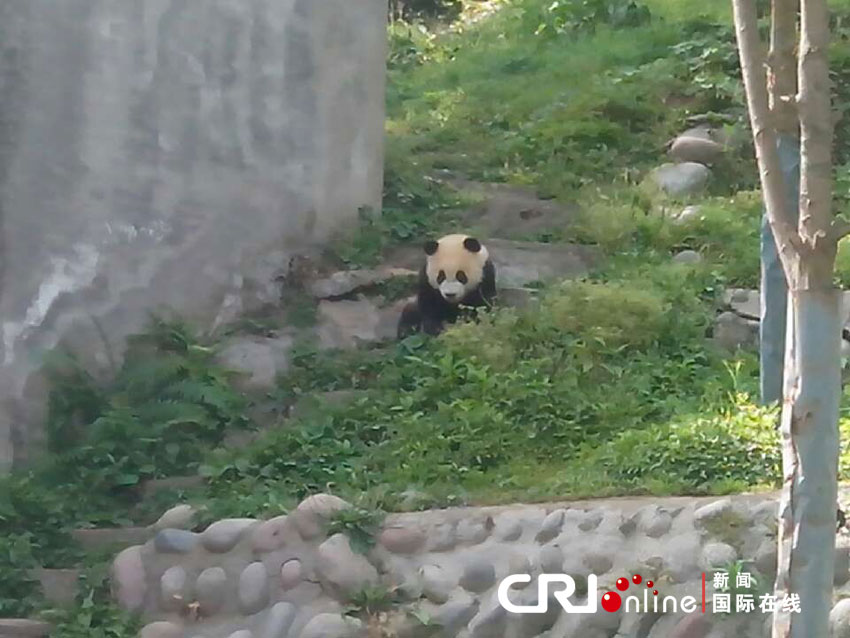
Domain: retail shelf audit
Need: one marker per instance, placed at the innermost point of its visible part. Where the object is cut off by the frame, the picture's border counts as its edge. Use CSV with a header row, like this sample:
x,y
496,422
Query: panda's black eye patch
x,y
461,277
441,277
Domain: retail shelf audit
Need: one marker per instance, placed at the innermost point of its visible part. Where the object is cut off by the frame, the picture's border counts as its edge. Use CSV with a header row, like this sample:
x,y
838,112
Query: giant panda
x,y
457,273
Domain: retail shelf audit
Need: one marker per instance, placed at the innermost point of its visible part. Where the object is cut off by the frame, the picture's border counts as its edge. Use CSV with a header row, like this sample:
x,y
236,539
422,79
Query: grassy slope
x,y
611,389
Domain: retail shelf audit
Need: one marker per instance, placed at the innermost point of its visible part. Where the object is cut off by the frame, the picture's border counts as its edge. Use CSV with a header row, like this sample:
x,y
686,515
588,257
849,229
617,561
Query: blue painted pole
x,y
774,287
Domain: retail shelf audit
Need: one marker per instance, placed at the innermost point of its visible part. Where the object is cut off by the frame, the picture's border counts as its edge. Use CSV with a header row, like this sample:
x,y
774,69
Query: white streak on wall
x,y
67,275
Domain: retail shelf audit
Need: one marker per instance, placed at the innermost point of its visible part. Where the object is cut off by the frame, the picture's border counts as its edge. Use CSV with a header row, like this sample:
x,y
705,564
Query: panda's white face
x,y
455,266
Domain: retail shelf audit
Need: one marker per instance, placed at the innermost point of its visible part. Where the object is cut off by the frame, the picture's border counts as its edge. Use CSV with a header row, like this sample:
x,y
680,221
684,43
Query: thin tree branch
x,y
816,131
782,223
782,63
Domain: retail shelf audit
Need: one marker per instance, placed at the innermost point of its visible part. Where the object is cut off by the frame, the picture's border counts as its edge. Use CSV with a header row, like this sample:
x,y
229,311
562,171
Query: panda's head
x,y
455,265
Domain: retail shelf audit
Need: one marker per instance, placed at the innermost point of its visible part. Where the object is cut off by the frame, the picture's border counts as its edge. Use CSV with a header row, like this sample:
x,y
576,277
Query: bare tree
x,y
806,245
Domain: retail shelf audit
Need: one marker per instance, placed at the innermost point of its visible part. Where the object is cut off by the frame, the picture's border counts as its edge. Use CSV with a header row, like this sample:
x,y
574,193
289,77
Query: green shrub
x,y
167,399
740,448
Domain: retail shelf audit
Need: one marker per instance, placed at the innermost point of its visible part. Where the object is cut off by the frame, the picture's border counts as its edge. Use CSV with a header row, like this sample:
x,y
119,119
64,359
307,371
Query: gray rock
x,y
455,614
766,513
343,325
278,621
442,538
552,559
718,555
682,179
479,574
656,524
839,619
509,531
128,579
173,589
175,541
688,215
637,625
692,626
598,563
161,630
178,517
222,536
551,526
490,623
629,524
345,282
290,574
694,148
253,589
732,332
474,531
681,554
766,557
687,257
437,584
518,563
507,210
273,534
591,520
341,570
312,514
402,540
210,589
332,626
521,263
743,301
259,360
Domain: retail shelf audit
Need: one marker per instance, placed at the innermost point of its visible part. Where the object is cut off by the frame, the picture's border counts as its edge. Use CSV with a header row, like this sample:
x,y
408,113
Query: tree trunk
x,y
810,463
782,85
806,248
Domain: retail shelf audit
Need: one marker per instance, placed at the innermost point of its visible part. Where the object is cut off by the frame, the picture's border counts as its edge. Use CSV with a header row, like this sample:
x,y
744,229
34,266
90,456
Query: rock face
x,y
286,578
520,263
507,211
259,360
173,154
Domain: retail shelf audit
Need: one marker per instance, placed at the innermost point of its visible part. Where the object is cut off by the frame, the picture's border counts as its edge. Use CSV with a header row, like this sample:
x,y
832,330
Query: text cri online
x,y
562,587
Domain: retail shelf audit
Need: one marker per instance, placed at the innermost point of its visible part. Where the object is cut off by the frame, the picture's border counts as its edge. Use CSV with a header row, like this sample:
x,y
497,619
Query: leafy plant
x,y
168,397
95,615
359,525
371,600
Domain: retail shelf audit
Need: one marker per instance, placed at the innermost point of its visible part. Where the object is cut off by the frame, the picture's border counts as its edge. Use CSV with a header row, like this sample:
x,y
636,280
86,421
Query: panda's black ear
x,y
431,247
472,244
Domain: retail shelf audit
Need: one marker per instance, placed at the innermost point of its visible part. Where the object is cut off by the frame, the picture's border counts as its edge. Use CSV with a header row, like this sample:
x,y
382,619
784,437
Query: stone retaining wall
x,y
286,578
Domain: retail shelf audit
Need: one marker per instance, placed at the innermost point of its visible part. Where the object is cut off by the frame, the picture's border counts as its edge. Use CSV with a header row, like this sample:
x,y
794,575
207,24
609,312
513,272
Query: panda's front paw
x,y
432,327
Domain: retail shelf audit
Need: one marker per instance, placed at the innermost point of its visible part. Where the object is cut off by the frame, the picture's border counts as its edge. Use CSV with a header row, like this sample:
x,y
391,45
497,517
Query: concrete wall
x,y
169,153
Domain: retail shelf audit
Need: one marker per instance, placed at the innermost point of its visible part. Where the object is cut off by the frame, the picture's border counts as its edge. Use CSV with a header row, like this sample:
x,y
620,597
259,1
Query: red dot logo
x,y
611,601
622,584
649,584
655,592
636,579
